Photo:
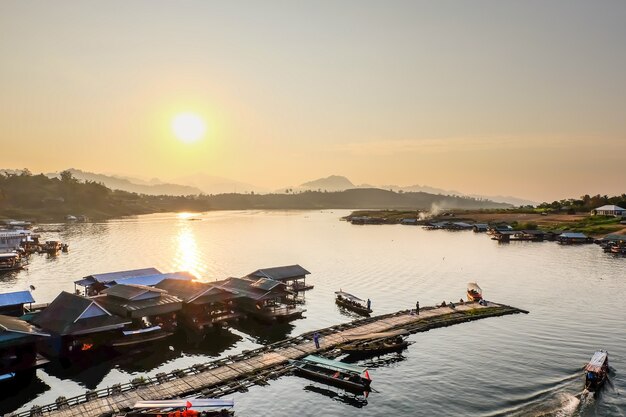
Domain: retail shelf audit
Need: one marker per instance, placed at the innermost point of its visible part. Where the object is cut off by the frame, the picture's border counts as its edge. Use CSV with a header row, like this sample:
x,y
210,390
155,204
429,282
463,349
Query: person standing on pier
x,y
316,340
417,308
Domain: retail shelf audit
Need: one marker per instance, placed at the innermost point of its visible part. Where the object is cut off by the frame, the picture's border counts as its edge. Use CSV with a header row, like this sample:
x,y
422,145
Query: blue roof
x,y
151,280
16,298
113,276
572,235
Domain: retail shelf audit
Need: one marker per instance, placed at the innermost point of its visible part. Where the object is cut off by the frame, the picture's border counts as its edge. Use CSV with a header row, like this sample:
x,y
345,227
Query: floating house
x,y
293,276
552,235
18,347
611,239
480,227
570,238
95,283
12,239
448,226
609,210
502,235
204,305
152,312
531,235
14,303
77,324
499,228
263,298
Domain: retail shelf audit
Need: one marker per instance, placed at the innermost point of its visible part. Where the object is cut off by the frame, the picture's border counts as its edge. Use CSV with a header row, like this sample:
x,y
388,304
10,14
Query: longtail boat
x,y
352,378
474,292
597,371
190,407
352,303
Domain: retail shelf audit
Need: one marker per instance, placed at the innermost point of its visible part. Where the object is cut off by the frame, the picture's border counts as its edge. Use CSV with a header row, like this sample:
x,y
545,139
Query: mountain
x,y
210,184
332,183
341,183
132,185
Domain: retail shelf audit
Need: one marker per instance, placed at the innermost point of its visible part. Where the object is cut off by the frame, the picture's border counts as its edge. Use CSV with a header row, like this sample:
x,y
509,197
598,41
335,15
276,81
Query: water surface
x,y
513,365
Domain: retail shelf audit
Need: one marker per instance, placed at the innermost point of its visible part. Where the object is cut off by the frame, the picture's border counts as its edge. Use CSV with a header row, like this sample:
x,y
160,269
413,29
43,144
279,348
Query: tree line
x,y
585,203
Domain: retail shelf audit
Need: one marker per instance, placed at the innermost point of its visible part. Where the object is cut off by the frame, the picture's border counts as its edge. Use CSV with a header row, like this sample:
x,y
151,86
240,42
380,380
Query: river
x,y
526,365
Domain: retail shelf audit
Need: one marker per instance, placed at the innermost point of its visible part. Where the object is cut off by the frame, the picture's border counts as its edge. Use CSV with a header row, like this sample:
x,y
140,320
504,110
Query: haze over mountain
x,y
209,184
133,185
331,183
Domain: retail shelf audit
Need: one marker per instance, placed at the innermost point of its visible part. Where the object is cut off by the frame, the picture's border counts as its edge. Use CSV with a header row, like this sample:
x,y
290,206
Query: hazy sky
x,y
525,98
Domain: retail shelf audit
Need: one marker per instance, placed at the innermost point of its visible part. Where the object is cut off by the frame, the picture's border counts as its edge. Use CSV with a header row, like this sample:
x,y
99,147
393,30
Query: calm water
x,y
515,365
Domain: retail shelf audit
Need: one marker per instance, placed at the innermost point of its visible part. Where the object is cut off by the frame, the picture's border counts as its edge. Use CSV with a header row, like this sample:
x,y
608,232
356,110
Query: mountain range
x,y
340,183
208,184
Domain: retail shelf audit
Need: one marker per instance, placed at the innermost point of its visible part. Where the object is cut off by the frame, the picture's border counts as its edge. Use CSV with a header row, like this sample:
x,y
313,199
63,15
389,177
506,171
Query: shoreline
x,y
594,226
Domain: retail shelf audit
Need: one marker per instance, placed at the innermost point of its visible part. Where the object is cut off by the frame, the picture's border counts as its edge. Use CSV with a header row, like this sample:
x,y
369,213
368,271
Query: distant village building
x,y
609,210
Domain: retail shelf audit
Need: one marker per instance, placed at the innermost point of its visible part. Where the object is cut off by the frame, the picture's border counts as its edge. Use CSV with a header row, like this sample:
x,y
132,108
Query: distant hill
x,y
341,183
132,185
331,183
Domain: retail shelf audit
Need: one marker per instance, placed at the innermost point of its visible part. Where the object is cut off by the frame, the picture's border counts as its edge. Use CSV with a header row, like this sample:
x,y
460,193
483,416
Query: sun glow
x,y
188,127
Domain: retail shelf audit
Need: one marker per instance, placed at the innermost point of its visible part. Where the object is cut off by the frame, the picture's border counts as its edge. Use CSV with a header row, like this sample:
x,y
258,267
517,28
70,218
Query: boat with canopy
x,y
11,261
597,371
350,377
185,407
474,292
353,303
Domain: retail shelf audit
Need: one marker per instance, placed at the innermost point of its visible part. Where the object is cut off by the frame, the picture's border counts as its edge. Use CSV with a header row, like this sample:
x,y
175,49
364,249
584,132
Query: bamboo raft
x,y
255,367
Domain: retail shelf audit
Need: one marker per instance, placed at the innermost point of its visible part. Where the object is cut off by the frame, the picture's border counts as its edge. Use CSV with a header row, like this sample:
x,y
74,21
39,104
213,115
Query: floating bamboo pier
x,y
255,367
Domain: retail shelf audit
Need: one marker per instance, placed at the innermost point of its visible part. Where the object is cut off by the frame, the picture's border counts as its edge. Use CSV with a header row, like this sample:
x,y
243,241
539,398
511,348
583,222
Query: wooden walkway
x,y
267,361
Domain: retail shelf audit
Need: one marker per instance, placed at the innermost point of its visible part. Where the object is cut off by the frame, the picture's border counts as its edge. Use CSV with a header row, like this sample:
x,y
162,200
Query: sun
x,y
188,127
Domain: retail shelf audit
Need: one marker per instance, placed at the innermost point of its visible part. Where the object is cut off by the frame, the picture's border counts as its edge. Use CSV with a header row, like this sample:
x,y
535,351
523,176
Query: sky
x,y
523,98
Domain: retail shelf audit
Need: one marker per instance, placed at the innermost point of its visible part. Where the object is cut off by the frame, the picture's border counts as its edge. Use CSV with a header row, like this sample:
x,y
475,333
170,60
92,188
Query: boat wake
x,y
570,404
562,405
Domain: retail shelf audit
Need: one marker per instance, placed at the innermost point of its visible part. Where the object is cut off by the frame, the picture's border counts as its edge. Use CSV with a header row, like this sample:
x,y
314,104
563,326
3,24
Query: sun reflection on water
x,y
188,257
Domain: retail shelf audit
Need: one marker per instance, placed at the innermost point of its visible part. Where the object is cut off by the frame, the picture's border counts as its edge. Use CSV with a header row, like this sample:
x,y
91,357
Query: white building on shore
x,y
609,210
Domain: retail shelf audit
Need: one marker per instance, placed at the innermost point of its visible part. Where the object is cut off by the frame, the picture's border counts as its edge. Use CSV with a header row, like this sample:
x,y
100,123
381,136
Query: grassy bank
x,y
520,219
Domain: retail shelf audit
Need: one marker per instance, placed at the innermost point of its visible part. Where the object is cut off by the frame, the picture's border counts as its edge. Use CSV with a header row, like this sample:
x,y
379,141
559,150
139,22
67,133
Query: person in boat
x,y
369,304
451,305
417,308
443,304
316,340
461,301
